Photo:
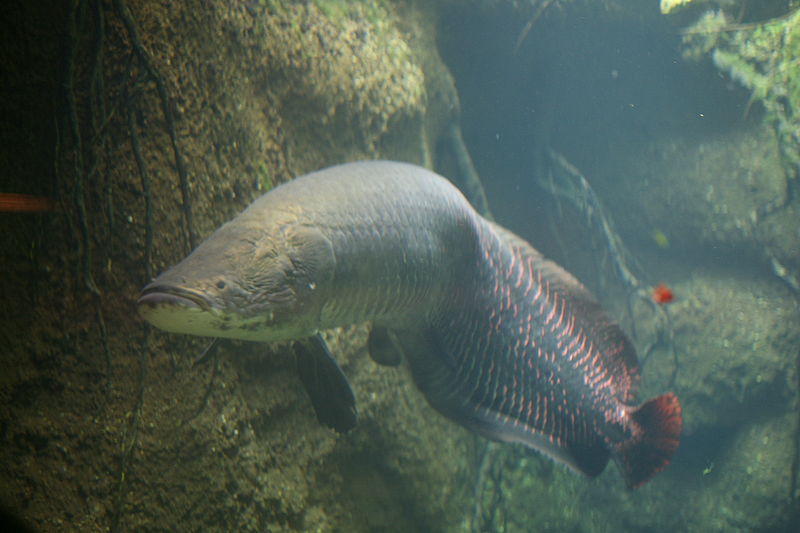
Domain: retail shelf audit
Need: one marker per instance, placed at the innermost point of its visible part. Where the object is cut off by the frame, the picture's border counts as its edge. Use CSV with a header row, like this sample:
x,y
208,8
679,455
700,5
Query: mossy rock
x,y
106,424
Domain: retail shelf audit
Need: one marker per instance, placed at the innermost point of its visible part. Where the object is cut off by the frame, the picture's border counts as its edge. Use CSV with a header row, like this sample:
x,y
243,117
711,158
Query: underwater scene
x,y
468,266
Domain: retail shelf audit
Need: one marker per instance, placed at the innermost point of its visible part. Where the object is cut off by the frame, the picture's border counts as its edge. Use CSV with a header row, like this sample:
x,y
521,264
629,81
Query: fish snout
x,y
161,295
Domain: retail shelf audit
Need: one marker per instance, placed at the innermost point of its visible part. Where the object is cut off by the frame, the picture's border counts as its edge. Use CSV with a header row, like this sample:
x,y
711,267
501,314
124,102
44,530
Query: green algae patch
x,y
762,57
341,76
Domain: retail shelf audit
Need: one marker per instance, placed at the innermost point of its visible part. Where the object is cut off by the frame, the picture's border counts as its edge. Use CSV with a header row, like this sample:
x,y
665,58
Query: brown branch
x,y
166,106
577,190
148,198
469,181
581,194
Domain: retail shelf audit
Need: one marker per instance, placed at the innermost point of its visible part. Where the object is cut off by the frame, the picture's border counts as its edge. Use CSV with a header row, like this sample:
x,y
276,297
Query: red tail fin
x,y
651,448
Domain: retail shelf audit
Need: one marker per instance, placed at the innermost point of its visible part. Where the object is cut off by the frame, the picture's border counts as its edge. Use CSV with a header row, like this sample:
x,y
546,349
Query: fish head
x,y
245,282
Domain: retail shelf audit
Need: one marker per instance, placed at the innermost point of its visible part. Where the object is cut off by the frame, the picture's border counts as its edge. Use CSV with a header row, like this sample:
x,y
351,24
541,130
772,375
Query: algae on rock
x,y
761,56
106,424
764,59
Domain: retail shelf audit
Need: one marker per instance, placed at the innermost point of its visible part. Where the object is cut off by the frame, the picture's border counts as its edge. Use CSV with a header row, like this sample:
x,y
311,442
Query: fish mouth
x,y
161,295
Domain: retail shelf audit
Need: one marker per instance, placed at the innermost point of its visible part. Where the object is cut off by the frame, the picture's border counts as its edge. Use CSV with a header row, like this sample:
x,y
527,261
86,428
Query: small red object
x,y
662,294
24,203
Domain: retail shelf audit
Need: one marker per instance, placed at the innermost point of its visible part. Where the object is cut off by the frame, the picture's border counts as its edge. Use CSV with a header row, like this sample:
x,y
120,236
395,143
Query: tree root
x,y
491,515
77,13
531,22
131,437
567,182
148,199
470,181
166,107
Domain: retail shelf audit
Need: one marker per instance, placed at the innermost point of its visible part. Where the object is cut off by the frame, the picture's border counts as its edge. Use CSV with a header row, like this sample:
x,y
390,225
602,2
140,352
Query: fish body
x,y
498,338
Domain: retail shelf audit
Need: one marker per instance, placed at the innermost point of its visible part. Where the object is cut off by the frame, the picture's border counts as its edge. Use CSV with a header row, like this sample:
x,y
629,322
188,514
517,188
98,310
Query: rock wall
x,y
153,123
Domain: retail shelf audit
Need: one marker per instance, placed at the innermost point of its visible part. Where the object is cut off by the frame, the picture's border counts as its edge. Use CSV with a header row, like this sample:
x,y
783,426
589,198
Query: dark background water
x,y
593,86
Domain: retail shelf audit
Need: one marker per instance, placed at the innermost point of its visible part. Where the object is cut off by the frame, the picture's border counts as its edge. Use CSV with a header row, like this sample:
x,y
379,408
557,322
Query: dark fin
x,y
651,448
326,384
381,348
591,459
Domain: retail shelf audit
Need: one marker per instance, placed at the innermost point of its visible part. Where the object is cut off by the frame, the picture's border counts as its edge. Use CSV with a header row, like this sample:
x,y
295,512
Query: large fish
x,y
498,338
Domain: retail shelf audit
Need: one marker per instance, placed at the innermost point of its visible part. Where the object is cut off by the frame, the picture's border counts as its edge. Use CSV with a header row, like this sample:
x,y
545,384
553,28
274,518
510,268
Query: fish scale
x,y
562,388
498,338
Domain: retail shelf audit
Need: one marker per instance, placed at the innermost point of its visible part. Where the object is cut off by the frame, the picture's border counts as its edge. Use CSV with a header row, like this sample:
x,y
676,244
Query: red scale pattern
x,y
548,364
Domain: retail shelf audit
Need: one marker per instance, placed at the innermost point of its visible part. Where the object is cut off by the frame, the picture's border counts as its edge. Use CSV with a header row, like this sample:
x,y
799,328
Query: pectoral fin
x,y
326,384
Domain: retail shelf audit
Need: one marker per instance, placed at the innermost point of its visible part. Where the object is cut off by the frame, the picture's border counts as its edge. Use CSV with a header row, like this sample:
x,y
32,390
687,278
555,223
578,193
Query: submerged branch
x,y
131,437
575,188
74,128
783,273
484,465
166,106
578,192
148,198
98,89
529,26
470,181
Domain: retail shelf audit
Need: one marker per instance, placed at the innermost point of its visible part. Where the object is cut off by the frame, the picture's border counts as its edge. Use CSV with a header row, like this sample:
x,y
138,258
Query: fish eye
x,y
220,284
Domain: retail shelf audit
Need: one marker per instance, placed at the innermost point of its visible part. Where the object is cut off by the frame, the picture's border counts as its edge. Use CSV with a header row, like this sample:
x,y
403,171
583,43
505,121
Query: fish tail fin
x,y
655,439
